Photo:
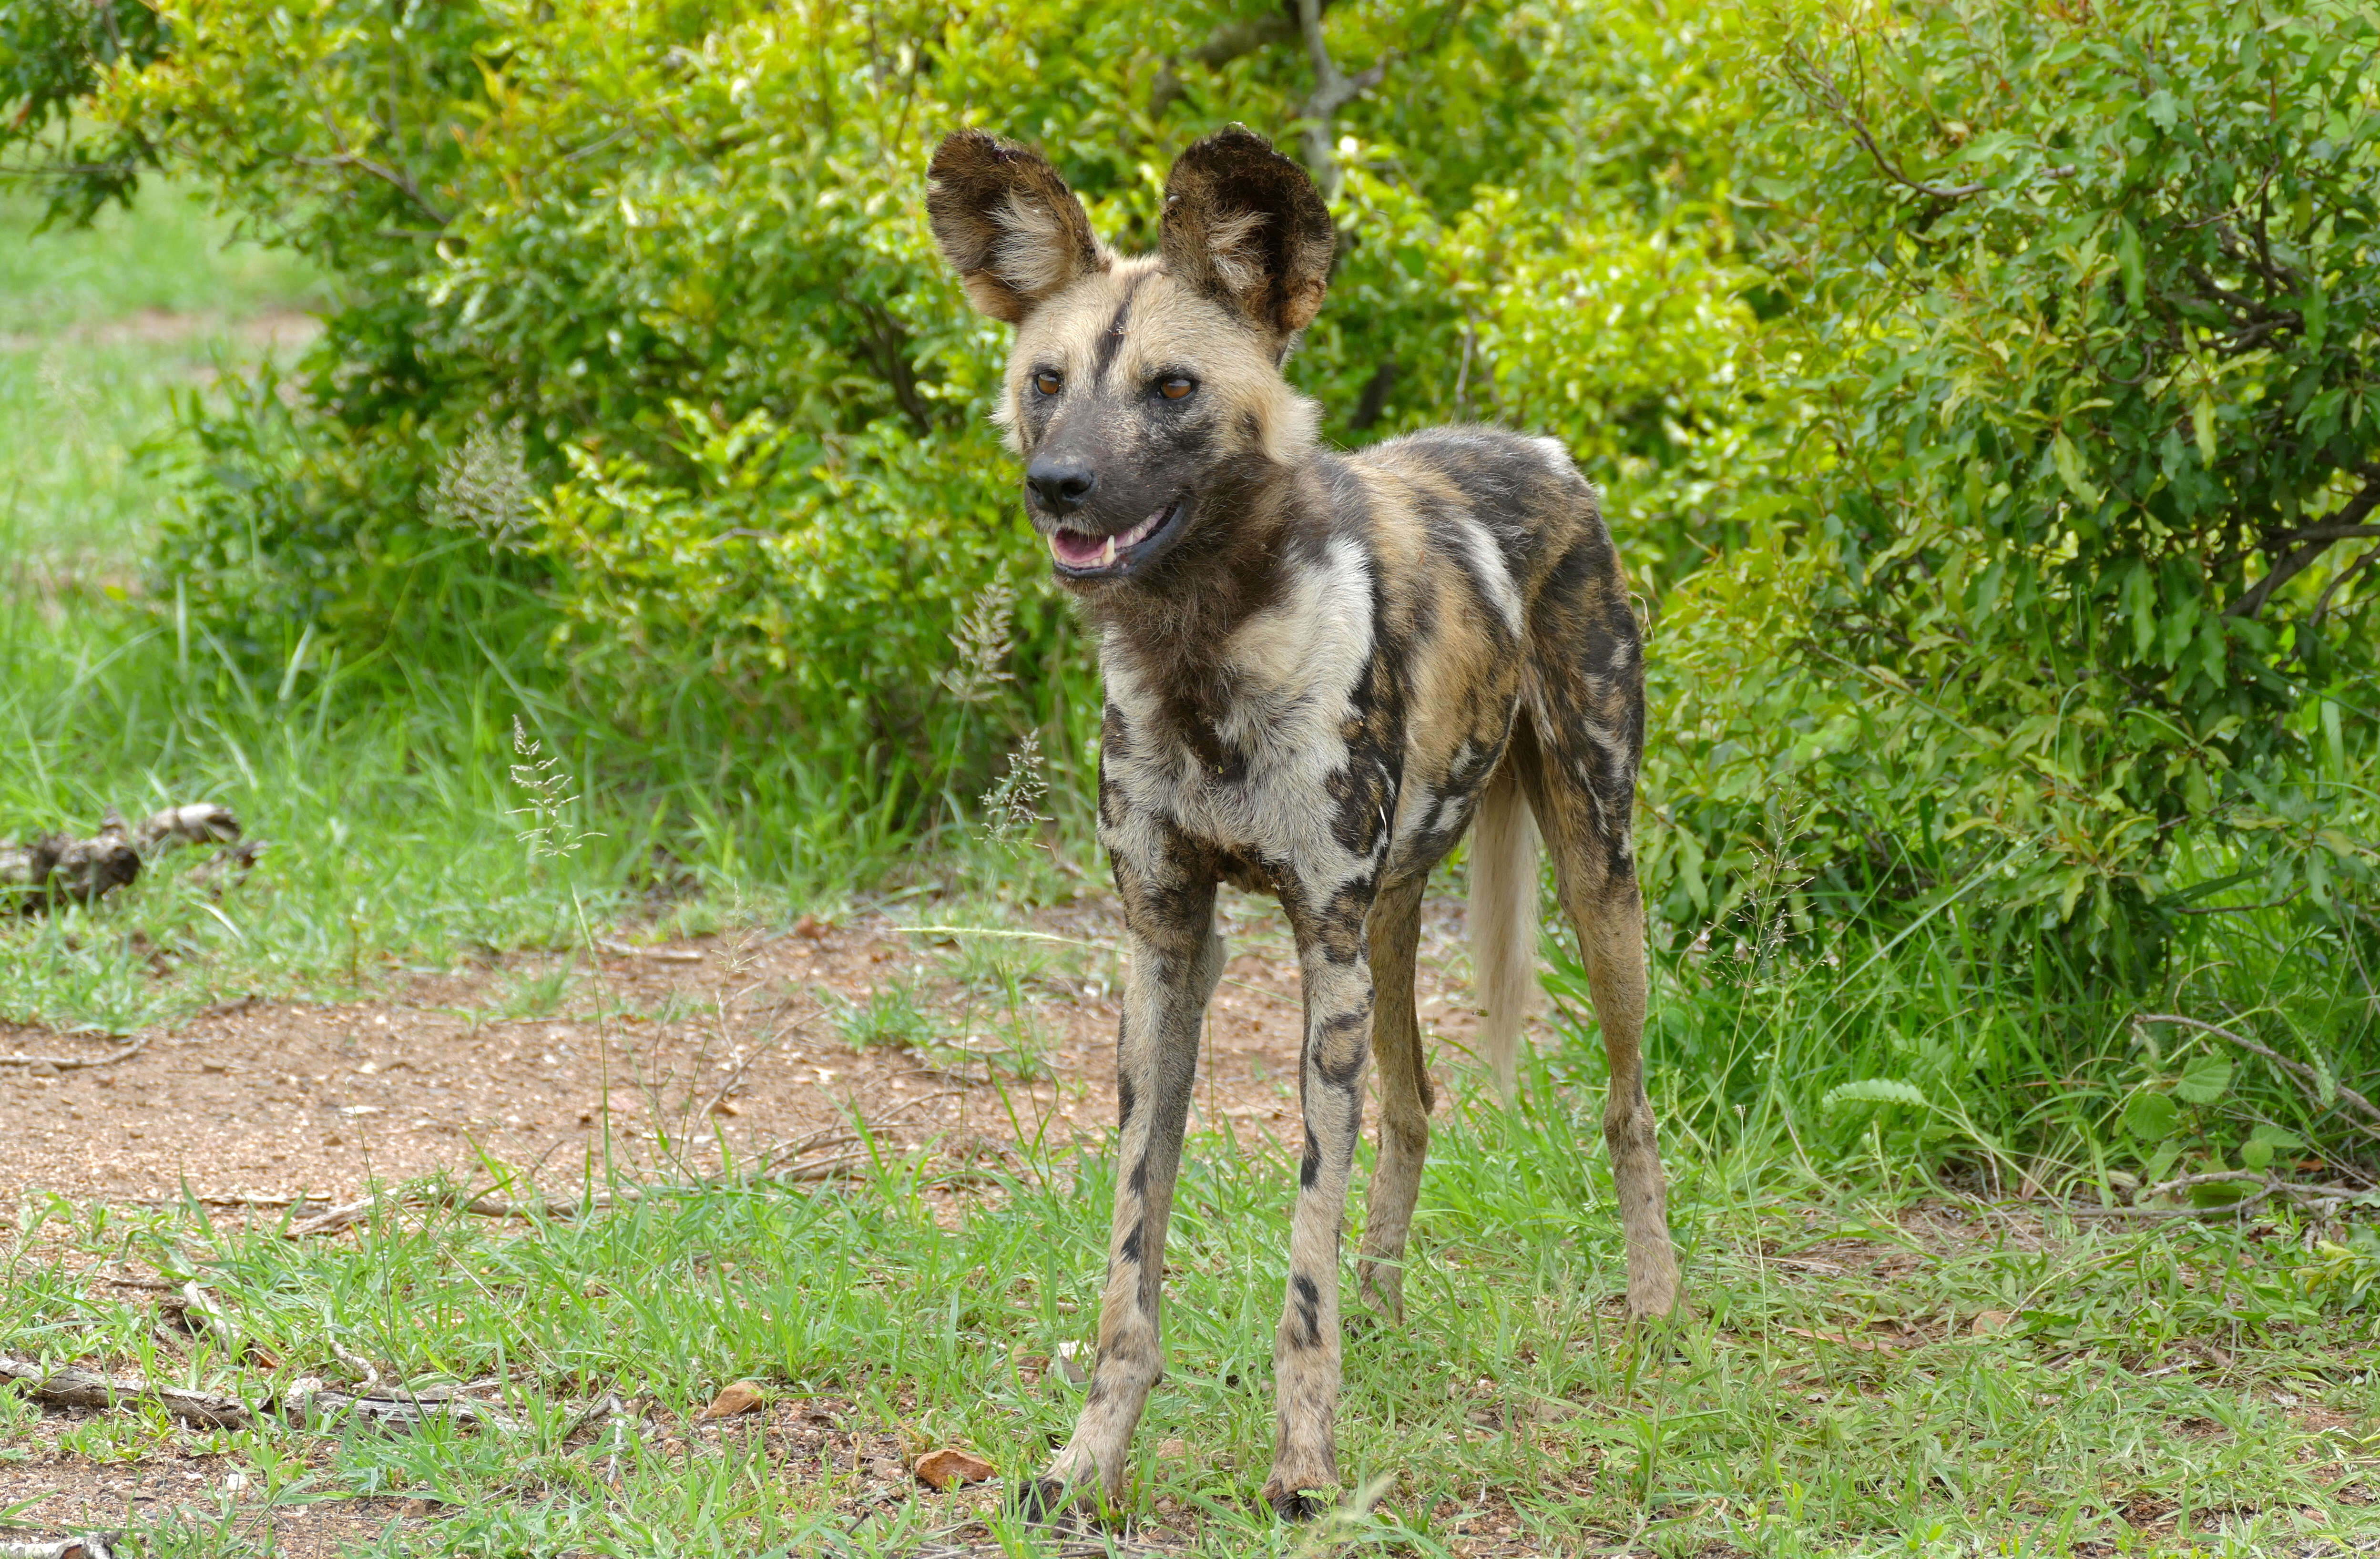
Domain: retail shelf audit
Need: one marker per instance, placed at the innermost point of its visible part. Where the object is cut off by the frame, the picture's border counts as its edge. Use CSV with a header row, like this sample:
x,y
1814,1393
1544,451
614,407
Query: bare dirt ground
x,y
675,1060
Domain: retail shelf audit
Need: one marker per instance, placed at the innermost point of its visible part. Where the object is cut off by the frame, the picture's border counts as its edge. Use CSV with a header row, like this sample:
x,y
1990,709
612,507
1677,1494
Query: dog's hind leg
x,y
1395,936
1176,960
1578,755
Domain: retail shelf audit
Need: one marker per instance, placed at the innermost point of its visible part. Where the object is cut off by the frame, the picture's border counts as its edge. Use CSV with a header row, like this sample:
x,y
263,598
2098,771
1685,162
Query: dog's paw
x,y
1044,1500
1299,1506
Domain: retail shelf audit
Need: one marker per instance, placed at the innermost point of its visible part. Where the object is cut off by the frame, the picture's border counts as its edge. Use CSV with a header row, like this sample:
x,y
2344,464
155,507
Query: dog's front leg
x,y
1337,989
1175,961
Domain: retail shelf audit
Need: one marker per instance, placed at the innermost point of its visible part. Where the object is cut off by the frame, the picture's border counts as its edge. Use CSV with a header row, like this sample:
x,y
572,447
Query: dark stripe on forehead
x,y
1112,338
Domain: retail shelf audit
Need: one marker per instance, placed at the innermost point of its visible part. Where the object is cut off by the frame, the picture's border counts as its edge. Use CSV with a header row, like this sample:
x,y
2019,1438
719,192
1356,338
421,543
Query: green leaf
x,y
2151,1117
2127,256
2205,1081
2202,422
2070,470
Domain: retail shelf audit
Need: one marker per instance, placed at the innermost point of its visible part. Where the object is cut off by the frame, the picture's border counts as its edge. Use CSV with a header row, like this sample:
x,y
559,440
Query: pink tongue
x,y
1075,549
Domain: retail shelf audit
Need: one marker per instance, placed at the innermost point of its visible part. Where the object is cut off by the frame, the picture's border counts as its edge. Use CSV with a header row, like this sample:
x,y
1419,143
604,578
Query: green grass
x,y
2153,1388
99,330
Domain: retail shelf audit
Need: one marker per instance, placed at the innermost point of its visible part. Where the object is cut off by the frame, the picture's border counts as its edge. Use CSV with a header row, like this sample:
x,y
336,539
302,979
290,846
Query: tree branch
x,y
2344,526
1226,44
1332,91
386,175
1820,85
2322,602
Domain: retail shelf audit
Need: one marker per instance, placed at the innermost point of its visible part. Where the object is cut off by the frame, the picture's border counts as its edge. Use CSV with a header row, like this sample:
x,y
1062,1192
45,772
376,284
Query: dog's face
x,y
1145,394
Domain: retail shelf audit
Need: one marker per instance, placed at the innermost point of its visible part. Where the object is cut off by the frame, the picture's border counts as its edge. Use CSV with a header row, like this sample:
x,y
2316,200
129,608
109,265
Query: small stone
x,y
1173,1450
41,1069
726,1107
1068,1364
811,927
1989,1322
949,1467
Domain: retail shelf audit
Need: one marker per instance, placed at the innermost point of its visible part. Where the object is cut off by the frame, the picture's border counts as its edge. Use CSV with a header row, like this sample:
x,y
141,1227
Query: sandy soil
x,y
672,1059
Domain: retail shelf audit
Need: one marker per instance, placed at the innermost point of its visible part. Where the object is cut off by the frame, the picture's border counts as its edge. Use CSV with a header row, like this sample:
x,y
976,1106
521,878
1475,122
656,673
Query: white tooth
x,y
1107,559
1054,551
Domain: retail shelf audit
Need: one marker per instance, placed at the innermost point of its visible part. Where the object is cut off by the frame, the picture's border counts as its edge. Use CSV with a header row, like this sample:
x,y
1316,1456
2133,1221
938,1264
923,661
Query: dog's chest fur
x,y
1260,768
1339,732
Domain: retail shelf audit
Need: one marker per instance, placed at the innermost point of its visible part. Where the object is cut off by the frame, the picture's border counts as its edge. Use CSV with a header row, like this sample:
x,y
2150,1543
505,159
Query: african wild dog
x,y
1319,669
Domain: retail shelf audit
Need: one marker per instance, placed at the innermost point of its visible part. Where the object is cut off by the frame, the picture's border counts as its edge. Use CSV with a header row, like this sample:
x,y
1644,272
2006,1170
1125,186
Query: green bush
x,y
2081,307
672,265
1979,393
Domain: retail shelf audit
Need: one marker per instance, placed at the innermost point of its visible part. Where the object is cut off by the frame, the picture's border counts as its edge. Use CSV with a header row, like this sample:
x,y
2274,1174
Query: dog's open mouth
x,y
1081,556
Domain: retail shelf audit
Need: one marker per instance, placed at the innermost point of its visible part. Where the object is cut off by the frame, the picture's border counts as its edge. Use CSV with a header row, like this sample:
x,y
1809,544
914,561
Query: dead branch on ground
x,y
57,869
87,1545
306,1400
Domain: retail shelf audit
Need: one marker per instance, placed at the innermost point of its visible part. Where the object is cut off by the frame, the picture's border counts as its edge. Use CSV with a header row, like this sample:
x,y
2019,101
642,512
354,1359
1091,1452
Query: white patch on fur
x,y
1036,258
1488,561
1232,250
1294,668
1557,457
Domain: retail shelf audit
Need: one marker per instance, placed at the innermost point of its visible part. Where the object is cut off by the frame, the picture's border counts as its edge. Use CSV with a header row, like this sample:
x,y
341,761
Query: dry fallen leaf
x,y
812,928
736,1396
949,1467
725,1106
1989,1321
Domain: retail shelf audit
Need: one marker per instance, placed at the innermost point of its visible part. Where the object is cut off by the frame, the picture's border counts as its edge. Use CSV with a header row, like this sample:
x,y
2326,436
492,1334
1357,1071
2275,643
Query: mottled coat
x,y
1321,669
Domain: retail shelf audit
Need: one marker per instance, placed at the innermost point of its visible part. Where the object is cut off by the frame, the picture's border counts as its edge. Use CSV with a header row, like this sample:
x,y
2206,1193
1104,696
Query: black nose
x,y
1060,485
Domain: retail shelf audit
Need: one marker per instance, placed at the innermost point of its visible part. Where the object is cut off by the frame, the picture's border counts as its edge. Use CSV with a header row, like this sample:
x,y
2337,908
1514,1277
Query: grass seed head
x,y
1012,808
547,788
484,486
983,646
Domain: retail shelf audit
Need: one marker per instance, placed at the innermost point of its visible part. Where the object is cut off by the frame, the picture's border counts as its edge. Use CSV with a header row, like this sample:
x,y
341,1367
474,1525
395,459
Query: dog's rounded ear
x,y
1245,223
1007,223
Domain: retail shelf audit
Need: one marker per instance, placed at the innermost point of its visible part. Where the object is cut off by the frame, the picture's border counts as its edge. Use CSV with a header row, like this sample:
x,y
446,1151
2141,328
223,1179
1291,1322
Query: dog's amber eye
x,y
1174,389
1048,382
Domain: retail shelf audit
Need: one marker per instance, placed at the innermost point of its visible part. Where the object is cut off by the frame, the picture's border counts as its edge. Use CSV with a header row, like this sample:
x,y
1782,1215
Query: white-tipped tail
x,y
1504,923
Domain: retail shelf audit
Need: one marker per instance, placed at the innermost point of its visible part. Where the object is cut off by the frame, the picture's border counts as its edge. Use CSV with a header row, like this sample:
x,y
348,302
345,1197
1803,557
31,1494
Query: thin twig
x,y
658,955
2322,602
736,1079
1821,84
76,1063
2347,524
2298,1070
339,1219
355,1362
2219,1210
